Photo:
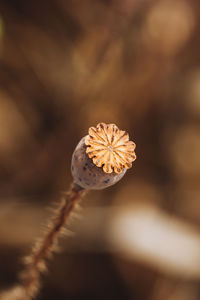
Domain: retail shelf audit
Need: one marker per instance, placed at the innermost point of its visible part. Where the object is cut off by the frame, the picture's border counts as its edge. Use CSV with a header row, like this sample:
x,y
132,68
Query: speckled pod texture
x,y
86,174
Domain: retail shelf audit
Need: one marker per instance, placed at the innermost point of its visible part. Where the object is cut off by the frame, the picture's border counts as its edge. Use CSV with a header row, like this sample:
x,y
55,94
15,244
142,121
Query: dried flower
x,y
110,147
102,158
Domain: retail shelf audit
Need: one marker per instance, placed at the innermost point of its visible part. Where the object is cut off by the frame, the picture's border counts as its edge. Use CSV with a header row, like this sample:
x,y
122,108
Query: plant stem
x,y
42,251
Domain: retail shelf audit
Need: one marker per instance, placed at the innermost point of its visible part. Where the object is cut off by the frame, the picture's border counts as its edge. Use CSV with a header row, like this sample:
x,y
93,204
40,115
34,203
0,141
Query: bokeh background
x,y
66,65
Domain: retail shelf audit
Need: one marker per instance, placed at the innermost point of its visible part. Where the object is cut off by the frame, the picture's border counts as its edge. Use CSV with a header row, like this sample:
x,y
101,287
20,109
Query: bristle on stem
x,y
36,263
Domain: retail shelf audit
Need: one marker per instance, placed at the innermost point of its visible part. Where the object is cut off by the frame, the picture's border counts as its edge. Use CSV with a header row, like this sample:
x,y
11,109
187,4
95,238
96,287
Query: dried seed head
x,y
102,158
110,147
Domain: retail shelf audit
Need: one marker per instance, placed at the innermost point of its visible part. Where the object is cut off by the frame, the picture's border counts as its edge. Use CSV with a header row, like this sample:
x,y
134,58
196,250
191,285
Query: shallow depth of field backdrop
x,y
66,65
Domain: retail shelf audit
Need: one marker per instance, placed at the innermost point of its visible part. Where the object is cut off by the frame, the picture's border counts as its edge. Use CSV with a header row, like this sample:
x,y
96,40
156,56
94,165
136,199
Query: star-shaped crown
x,y
110,148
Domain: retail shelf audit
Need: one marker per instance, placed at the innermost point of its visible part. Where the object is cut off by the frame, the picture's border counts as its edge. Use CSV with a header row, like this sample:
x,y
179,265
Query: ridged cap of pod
x,y
110,148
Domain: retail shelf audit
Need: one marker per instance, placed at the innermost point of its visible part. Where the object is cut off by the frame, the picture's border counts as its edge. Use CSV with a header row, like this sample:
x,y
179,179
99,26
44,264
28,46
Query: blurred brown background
x,y
66,65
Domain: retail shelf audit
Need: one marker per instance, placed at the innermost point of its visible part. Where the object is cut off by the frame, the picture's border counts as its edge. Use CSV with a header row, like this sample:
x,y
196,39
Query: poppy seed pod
x,y
102,157
100,160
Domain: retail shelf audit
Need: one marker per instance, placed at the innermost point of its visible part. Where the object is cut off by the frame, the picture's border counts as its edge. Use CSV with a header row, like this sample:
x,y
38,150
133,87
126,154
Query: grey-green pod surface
x,y
86,174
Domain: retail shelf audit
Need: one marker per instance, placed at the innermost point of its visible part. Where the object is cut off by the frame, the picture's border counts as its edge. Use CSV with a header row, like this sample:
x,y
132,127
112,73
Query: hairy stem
x,y
42,251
